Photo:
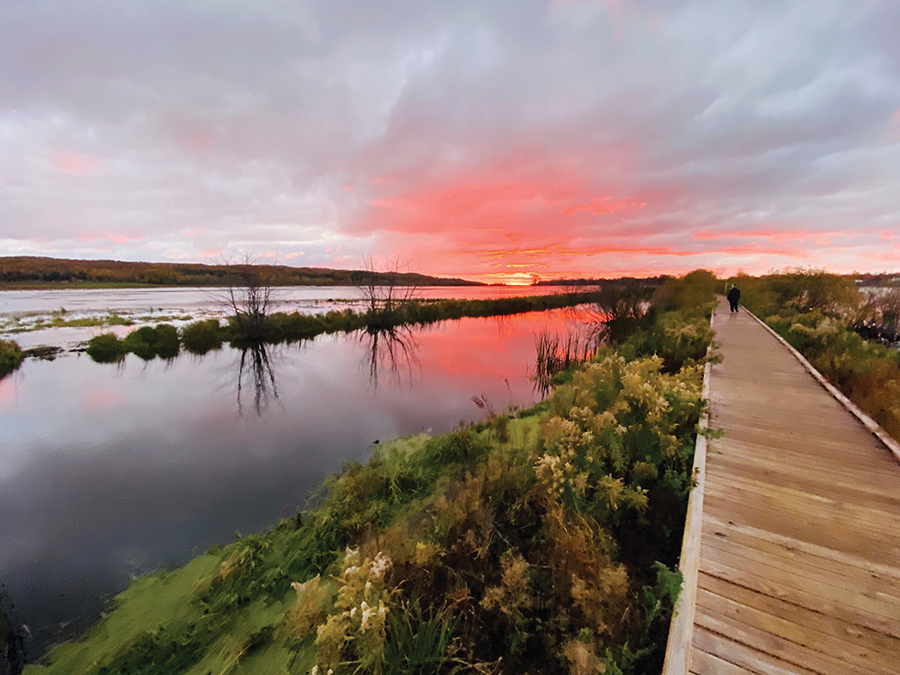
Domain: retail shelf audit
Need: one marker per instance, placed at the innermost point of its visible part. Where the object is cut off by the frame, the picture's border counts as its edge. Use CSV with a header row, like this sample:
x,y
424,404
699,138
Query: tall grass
x,y
556,353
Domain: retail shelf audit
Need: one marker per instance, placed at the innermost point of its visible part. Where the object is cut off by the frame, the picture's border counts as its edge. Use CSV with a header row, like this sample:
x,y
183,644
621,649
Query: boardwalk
x,y
800,543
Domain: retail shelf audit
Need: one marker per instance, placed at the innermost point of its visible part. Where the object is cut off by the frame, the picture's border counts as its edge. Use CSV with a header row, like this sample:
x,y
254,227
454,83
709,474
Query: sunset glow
x,y
502,143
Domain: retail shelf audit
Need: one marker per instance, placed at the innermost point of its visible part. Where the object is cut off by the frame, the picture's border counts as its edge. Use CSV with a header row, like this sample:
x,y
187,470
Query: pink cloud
x,y
75,163
603,205
115,237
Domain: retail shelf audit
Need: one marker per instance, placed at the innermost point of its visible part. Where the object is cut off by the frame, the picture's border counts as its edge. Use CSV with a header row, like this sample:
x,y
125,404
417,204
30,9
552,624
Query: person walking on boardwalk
x,y
733,296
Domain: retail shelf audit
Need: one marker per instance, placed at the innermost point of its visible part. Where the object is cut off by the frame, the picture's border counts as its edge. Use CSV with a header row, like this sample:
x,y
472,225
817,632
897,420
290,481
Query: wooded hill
x,y
23,271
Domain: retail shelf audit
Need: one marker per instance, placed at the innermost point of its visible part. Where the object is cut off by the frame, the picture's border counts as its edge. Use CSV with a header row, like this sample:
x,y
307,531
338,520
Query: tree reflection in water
x,y
255,372
392,350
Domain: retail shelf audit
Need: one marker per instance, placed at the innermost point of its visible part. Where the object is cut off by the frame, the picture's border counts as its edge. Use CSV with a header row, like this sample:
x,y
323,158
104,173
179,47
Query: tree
x,y
248,296
385,293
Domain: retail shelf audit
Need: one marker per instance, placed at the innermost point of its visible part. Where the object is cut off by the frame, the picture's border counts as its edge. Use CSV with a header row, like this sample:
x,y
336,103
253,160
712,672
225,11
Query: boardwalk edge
x,y
681,630
867,421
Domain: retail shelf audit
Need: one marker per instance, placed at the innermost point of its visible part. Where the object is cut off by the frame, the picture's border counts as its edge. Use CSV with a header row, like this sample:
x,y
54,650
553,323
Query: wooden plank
x,y
794,449
777,646
836,575
889,571
885,647
781,499
860,611
704,663
839,535
812,479
743,655
852,653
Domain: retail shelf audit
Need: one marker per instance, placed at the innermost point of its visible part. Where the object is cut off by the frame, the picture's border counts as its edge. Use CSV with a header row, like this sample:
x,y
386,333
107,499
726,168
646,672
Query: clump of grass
x,y
201,337
167,341
10,357
149,342
141,343
116,320
106,348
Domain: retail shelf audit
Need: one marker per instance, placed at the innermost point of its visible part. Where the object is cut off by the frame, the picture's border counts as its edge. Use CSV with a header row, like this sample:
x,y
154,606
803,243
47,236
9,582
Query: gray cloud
x,y
175,130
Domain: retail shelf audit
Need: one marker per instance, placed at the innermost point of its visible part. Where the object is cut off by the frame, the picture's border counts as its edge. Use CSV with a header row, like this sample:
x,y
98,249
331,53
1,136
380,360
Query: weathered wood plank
x,y
777,646
800,633
883,646
742,655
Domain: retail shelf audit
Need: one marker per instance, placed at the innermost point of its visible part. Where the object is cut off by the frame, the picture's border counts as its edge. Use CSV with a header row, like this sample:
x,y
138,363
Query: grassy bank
x,y
542,542
821,315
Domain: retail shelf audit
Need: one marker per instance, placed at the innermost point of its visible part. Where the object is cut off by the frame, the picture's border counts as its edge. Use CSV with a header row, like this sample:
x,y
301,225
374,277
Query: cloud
x,y
644,134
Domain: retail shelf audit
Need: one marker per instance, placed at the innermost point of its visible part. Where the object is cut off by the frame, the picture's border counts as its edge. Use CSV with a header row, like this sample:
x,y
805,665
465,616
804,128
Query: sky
x,y
493,140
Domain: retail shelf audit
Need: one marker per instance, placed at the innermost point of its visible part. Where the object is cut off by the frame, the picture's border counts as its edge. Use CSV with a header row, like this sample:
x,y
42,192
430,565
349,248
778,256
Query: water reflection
x,y
112,470
256,373
392,351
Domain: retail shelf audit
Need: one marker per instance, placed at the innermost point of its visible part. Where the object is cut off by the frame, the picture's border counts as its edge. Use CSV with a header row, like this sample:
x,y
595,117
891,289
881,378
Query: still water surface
x,y
111,471
22,311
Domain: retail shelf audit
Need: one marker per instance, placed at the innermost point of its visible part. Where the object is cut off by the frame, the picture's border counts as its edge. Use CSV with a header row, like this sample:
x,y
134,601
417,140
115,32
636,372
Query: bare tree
x,y
249,296
385,292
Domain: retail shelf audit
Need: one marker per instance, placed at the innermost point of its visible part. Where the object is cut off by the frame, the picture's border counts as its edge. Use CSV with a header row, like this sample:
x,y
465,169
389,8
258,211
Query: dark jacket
x,y
734,294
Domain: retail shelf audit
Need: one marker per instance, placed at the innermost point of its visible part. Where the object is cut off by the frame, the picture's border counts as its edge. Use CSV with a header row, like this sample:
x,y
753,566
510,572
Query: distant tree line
x,y
25,270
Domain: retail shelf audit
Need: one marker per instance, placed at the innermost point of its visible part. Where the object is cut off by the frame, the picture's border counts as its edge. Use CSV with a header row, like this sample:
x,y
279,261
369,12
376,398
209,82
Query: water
x,y
21,311
111,471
